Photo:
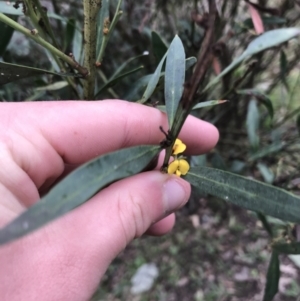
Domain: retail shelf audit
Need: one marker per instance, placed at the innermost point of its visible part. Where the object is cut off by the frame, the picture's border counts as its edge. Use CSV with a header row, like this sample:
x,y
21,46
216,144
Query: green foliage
x,y
174,77
124,53
273,276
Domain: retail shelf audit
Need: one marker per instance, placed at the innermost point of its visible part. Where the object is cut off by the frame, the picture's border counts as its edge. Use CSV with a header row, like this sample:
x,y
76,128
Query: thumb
x,y
128,208
74,252
125,210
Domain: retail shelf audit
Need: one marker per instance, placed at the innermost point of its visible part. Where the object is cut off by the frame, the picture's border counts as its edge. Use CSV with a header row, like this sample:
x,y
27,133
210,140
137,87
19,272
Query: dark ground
x,y
208,256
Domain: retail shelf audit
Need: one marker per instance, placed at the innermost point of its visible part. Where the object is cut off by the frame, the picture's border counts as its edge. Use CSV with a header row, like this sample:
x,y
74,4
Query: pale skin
x,y
40,142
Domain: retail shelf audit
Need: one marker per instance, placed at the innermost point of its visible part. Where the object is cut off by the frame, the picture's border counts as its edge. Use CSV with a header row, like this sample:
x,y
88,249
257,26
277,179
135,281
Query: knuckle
x,y
132,215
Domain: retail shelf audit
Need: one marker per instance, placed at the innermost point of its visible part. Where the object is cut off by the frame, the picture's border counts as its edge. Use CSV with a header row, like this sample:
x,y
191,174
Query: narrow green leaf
x,y
6,34
298,124
266,173
77,44
53,87
126,64
115,80
69,33
250,194
252,124
287,248
12,72
237,166
265,223
174,78
190,62
142,83
199,105
248,23
153,81
271,39
274,20
267,150
283,69
208,104
102,16
260,96
265,41
273,276
159,47
79,187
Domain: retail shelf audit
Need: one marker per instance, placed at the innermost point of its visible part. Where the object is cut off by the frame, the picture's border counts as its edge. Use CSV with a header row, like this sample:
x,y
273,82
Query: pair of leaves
x,y
174,77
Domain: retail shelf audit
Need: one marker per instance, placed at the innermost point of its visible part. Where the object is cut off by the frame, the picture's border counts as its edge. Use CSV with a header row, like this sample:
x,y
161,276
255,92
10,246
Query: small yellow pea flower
x,y
179,167
179,147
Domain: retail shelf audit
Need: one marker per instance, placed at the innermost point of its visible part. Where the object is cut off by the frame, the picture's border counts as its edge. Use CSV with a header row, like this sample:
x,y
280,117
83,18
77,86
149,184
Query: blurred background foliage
x,y
217,251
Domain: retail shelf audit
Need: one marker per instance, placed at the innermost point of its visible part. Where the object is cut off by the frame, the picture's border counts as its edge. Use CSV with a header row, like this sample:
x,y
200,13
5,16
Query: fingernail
x,y
175,195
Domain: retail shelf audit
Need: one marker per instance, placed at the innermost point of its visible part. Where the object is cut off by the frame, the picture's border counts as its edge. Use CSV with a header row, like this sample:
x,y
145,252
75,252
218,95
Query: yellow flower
x,y
178,167
178,147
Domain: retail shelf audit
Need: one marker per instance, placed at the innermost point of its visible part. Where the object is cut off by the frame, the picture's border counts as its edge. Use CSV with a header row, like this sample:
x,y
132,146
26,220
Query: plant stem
x,y
38,39
107,35
91,9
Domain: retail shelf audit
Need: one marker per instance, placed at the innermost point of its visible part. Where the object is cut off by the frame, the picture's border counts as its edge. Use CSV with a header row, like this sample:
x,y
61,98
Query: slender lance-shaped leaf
x,y
199,105
266,40
77,44
250,194
208,103
267,150
115,80
69,34
79,187
103,16
298,124
174,78
53,87
260,96
273,276
153,81
12,72
6,34
125,65
141,84
253,124
265,223
266,173
159,47
284,69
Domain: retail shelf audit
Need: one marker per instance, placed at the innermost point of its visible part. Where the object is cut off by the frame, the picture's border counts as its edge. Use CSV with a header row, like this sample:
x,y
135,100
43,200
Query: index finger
x,y
83,130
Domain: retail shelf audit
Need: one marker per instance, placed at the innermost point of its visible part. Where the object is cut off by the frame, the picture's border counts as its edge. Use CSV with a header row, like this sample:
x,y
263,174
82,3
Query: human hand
x,y
39,143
